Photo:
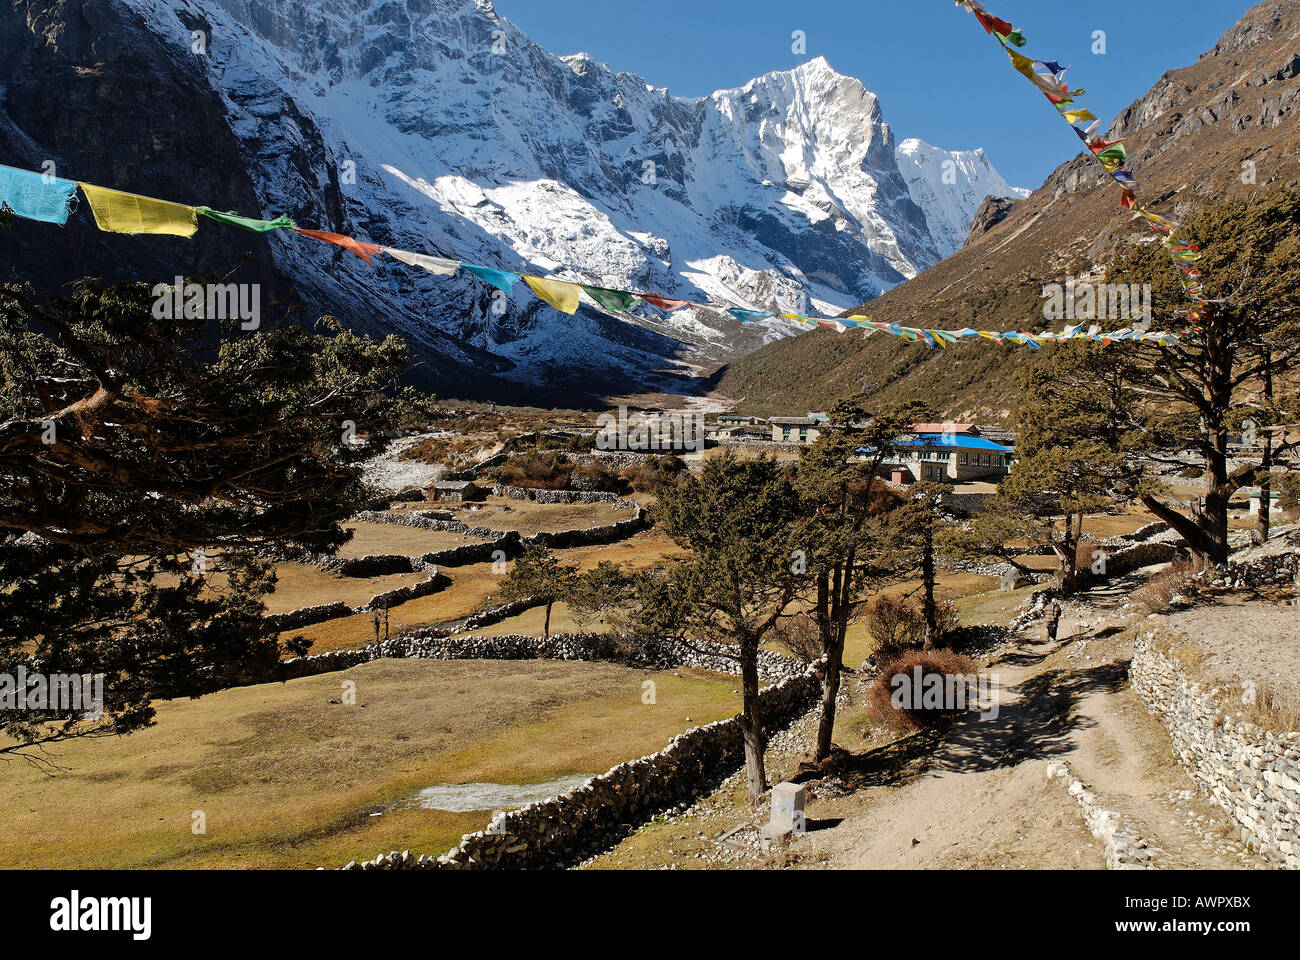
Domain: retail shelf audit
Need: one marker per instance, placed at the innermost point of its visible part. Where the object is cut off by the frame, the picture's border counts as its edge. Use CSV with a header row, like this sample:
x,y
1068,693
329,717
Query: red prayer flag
x,y
993,24
1129,200
1097,144
363,250
663,303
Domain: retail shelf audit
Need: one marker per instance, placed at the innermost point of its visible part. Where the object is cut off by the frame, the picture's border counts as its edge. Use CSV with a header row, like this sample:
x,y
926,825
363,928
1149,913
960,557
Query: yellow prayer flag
x,y
1077,116
563,296
117,212
1022,63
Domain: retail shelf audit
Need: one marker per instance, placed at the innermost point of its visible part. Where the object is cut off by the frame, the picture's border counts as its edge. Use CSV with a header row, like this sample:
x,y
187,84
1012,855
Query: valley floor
x,y
977,797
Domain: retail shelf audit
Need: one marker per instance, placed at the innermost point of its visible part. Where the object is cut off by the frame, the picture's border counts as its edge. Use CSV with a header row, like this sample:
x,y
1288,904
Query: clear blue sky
x,y
939,76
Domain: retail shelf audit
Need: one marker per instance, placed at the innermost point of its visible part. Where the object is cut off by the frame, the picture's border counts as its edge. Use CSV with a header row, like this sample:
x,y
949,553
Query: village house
x,y
1257,502
800,430
456,491
741,434
947,453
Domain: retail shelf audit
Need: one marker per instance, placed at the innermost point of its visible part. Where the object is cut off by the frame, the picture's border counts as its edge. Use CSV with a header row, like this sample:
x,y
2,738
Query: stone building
x,y
456,491
800,430
948,457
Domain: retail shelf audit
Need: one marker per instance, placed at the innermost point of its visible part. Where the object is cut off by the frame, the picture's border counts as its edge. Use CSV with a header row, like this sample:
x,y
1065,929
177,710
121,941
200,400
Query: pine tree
x,y
1193,394
738,520
851,543
539,575
141,464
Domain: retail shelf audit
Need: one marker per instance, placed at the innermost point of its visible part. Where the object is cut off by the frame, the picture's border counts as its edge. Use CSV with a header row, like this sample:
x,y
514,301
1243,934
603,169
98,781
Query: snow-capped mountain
x,y
439,127
950,185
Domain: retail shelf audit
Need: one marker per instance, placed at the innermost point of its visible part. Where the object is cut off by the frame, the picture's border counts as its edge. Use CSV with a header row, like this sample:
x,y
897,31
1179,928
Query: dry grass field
x,y
374,539
298,586
289,777
532,518
525,516
472,588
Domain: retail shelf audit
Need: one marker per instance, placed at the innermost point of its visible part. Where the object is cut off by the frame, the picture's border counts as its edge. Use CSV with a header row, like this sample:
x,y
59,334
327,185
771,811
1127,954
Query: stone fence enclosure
x,y
310,616
495,546
567,829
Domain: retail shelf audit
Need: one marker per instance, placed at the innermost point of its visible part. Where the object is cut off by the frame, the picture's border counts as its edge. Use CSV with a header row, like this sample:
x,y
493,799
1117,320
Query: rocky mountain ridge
x,y
438,126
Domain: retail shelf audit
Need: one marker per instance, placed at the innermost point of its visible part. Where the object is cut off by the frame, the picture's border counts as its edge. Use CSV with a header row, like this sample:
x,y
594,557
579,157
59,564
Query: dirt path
x,y
983,800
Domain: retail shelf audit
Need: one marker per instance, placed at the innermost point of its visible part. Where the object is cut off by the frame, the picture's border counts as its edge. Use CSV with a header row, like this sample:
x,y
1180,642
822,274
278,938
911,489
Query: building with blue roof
x,y
947,458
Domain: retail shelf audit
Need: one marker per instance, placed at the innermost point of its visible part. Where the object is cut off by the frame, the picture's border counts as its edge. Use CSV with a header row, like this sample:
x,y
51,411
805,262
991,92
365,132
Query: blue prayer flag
x,y
34,196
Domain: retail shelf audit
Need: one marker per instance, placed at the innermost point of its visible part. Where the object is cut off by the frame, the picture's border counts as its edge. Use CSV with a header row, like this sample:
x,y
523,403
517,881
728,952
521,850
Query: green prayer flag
x,y
618,301
257,226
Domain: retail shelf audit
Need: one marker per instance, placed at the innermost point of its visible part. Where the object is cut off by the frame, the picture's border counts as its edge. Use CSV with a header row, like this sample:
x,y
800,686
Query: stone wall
x,y
310,616
427,520
495,615
433,644
589,536
560,496
395,598
493,542
1140,555
1151,530
1252,570
568,829
510,544
1252,774
366,568
1125,850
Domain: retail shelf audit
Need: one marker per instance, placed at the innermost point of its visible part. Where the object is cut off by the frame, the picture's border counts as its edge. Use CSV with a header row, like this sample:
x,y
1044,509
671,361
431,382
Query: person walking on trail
x,y
1053,620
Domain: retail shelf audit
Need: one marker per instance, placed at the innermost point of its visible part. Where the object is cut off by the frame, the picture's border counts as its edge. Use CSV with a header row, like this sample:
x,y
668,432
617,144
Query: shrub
x,y
654,474
897,624
596,478
800,636
885,708
536,471
1161,589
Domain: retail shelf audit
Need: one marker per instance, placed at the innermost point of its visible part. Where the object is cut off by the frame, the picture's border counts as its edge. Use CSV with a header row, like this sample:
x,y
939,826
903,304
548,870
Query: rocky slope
x,y
438,126
1203,131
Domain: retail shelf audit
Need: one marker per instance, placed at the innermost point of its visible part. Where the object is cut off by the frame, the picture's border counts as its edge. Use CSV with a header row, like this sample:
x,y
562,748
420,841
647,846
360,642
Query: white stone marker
x,y
787,808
